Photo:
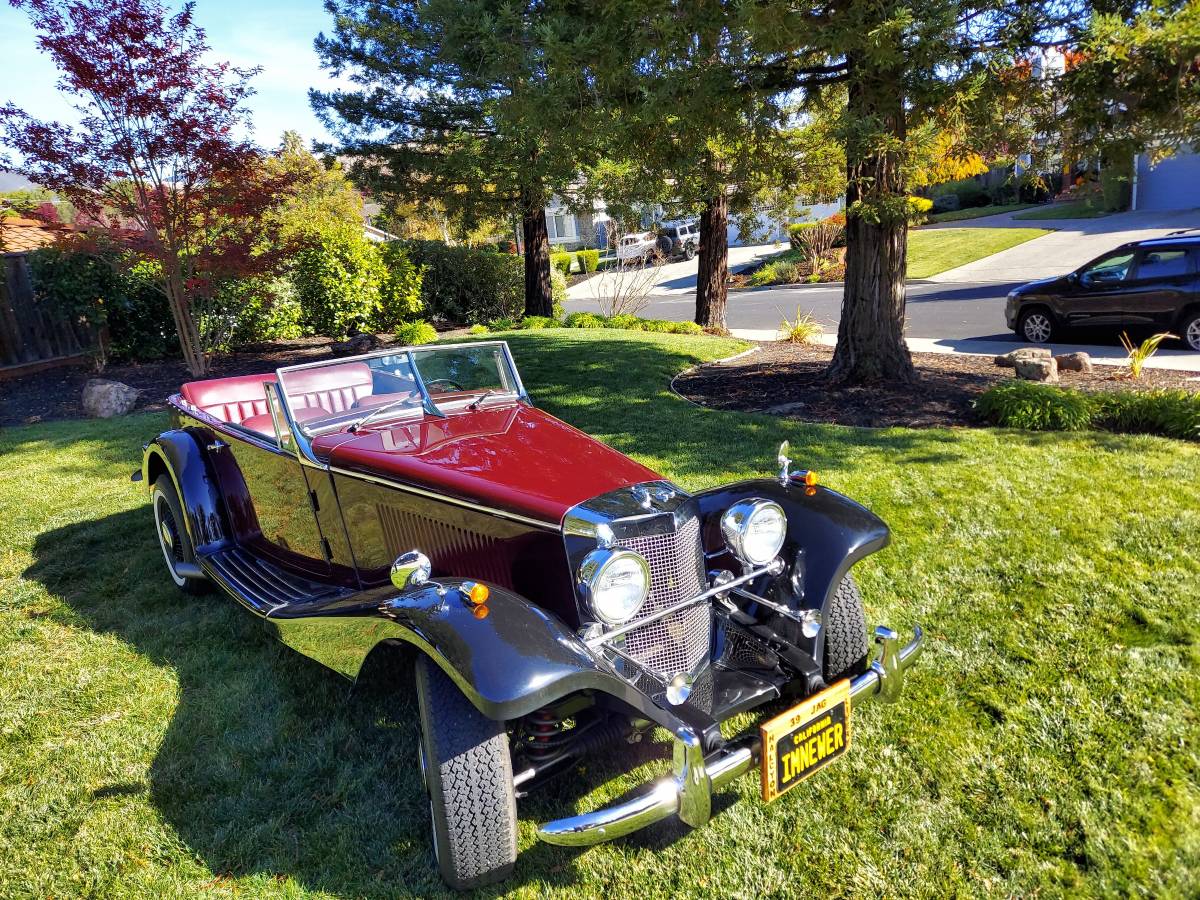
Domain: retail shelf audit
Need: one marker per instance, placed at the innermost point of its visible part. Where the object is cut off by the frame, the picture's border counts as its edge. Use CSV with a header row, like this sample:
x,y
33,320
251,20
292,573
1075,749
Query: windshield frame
x,y
428,405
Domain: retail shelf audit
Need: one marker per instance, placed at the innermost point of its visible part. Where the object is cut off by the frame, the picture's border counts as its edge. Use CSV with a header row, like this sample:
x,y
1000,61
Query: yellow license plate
x,y
805,739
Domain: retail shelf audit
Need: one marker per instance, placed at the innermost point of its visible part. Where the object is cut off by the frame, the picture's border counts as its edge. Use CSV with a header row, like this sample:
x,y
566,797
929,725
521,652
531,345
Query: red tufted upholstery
x,y
229,399
334,388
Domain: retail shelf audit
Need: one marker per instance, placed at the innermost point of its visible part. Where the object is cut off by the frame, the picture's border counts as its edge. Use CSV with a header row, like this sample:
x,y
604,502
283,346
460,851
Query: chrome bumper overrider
x,y
688,793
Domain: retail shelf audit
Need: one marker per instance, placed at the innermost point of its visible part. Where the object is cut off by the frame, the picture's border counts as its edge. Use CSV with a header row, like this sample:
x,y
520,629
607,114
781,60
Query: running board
x,y
264,586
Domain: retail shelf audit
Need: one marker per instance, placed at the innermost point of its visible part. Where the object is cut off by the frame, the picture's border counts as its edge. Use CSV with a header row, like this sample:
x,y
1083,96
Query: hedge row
x,y
1040,407
590,320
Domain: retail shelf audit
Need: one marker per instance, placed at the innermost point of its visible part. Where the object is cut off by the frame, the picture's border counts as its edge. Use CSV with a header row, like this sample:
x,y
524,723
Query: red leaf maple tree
x,y
160,163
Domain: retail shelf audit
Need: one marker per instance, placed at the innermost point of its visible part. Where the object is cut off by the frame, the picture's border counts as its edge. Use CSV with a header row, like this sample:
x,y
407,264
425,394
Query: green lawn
x,y
1074,209
1048,743
977,212
930,251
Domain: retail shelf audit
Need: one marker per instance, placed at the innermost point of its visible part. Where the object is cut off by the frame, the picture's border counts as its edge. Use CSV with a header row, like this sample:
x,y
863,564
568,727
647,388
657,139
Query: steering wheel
x,y
454,385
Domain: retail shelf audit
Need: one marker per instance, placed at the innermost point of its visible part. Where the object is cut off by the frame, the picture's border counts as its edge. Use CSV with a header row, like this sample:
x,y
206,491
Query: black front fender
x,y
827,532
509,661
180,454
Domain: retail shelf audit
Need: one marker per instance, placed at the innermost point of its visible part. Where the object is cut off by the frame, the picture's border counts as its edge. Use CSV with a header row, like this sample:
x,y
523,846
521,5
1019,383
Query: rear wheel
x,y
467,770
1036,326
846,646
1189,329
172,534
689,251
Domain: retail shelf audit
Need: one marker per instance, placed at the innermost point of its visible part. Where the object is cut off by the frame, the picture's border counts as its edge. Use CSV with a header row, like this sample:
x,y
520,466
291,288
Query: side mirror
x,y
410,570
1073,278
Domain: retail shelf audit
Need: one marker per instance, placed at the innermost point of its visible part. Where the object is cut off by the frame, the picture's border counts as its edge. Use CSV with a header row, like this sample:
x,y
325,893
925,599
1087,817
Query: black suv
x,y
1152,284
678,240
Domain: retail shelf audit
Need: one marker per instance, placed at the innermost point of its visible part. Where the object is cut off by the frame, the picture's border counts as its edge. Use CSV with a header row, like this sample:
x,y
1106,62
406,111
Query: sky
x,y
275,34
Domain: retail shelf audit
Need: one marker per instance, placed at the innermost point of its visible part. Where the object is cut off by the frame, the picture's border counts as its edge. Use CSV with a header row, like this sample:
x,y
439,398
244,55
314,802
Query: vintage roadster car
x,y
556,598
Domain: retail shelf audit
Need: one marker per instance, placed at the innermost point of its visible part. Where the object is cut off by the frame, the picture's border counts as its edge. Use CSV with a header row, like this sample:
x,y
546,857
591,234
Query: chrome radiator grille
x,y
676,643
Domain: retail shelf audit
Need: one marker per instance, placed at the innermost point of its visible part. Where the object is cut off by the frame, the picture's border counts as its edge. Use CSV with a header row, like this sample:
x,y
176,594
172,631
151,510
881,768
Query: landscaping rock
x,y
103,399
1074,362
1010,359
356,345
1037,369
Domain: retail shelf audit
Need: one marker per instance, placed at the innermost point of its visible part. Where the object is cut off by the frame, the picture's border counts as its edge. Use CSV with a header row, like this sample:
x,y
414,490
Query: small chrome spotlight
x,y
679,689
810,623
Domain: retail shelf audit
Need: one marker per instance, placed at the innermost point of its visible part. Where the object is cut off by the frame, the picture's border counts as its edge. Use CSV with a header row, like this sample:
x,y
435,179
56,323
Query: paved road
x,y
934,310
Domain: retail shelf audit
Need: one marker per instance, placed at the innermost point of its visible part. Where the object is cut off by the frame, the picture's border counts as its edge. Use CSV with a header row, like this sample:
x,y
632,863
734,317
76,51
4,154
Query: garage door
x,y
1173,184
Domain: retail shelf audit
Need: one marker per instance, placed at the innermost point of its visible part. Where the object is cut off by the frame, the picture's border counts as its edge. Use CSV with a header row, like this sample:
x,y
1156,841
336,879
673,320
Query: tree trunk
x,y
539,299
712,264
185,324
870,343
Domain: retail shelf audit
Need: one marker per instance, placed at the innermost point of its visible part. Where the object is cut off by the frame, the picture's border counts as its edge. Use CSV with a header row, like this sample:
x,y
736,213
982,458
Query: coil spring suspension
x,y
548,739
545,730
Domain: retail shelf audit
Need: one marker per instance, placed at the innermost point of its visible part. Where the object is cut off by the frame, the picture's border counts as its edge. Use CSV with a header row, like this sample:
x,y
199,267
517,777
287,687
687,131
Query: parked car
x,y
556,599
679,240
638,247
1152,284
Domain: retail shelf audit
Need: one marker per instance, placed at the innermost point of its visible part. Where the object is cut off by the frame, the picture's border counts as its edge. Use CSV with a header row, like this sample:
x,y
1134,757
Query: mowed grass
x,y
1072,209
930,251
1047,744
977,212
934,250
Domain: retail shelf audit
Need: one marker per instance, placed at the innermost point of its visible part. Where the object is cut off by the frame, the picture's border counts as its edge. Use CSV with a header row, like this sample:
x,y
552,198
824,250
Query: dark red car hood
x,y
514,458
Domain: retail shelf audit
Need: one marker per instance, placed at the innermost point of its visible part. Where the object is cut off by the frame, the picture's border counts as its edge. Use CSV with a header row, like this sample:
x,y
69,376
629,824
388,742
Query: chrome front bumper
x,y
688,792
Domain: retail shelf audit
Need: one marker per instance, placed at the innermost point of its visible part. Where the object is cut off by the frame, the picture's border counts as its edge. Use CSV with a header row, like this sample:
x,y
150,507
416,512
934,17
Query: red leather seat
x,y
333,388
229,399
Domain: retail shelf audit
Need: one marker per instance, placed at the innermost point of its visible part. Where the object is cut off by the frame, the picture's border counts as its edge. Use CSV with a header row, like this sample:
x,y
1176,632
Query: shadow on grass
x,y
270,765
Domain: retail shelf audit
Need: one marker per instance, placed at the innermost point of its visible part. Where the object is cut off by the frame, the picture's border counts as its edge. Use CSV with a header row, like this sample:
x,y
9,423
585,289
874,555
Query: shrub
x,y
561,262
1139,355
338,275
584,320
501,325
817,241
400,292
686,328
778,272
263,309
795,230
558,292
466,285
1039,407
805,330
589,260
624,321
658,326
536,323
1035,407
918,208
479,329
411,334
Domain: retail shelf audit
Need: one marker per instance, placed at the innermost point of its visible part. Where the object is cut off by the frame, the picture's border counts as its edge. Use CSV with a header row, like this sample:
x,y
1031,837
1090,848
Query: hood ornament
x,y
784,463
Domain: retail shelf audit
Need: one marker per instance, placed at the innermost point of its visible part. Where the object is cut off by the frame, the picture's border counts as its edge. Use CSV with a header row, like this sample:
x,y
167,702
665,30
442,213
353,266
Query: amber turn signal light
x,y
807,478
476,593
480,612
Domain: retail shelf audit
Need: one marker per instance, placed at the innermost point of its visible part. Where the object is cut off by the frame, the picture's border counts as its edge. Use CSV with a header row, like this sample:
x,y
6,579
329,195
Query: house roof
x,y
20,235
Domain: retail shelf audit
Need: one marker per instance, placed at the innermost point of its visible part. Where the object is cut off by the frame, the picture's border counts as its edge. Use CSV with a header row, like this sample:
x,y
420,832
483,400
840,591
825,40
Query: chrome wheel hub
x,y
1193,334
1037,328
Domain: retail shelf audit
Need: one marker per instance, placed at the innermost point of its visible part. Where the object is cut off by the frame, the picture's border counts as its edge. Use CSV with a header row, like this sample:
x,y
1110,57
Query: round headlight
x,y
754,530
615,584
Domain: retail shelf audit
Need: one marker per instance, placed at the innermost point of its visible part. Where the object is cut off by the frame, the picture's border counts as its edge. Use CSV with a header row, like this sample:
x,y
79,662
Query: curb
x,y
715,362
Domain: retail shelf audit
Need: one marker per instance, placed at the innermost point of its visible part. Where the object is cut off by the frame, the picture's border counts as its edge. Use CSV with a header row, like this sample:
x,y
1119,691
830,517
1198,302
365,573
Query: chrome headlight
x,y
754,530
615,584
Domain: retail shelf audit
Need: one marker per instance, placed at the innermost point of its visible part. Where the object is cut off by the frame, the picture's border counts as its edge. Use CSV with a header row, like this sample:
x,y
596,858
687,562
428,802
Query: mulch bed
x,y
56,393
787,379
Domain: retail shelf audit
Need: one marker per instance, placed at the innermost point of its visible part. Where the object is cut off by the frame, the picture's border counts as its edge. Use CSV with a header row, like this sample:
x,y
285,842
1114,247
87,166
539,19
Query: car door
x,y
1161,285
279,515
1098,295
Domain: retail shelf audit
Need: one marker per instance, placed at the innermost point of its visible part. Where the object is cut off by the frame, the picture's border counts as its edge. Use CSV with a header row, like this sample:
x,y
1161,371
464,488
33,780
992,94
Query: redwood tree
x,y
155,164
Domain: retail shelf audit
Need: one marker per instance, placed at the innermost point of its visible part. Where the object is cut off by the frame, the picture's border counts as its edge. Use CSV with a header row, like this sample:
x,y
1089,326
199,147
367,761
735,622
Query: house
x,y
21,235
1172,184
574,230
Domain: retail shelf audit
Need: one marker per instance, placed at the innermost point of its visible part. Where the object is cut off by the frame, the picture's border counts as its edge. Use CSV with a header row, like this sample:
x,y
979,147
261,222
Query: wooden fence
x,y
33,337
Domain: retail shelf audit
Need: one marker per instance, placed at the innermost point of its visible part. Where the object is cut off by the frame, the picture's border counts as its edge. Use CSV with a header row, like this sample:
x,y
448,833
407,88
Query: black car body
x,y
1143,285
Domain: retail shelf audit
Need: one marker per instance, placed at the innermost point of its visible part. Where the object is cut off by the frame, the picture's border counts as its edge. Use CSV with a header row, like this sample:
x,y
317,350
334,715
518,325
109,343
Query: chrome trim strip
x,y
687,793
603,639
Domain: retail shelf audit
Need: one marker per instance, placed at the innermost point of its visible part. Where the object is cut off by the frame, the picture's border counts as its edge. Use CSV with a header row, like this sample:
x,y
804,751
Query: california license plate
x,y
805,739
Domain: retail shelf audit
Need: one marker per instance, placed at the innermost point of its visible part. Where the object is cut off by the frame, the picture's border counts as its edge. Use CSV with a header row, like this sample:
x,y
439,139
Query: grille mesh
x,y
678,642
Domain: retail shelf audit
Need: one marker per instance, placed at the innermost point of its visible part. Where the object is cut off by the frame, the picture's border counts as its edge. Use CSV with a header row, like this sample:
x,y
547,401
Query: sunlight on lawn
x,y
1047,743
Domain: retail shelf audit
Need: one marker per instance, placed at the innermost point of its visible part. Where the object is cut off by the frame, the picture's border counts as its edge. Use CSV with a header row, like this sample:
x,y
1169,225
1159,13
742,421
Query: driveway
x,y
1072,243
669,279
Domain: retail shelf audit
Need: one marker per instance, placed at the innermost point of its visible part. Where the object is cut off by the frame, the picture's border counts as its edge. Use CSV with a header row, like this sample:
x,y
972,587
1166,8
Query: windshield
x,y
372,390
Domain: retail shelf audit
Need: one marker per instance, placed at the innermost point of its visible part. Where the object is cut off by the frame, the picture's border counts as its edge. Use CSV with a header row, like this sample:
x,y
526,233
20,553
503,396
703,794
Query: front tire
x,y
173,539
468,772
689,252
1036,326
846,646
